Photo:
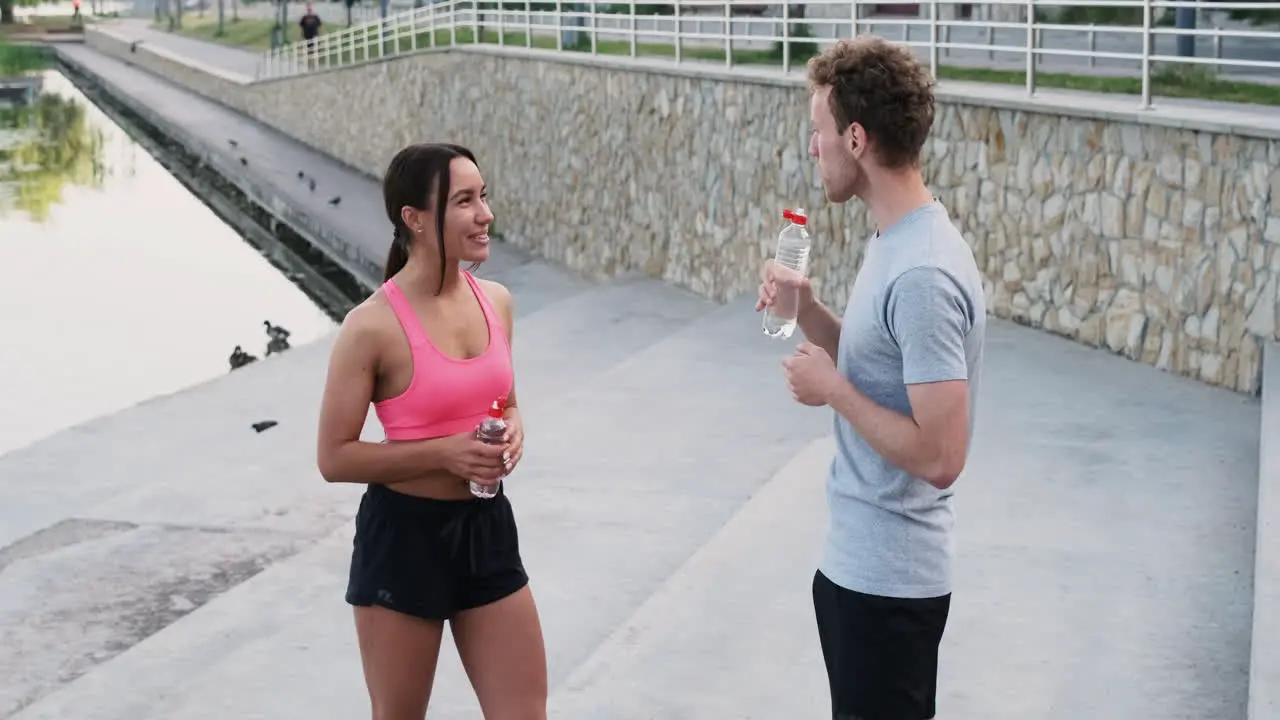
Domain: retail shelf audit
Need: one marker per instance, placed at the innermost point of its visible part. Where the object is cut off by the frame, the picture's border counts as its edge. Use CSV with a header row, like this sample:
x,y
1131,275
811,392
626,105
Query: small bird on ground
x,y
239,358
279,341
276,331
335,200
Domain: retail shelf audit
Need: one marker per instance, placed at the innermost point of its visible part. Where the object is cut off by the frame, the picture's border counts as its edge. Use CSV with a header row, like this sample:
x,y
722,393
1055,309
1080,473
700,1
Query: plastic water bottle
x,y
490,430
792,256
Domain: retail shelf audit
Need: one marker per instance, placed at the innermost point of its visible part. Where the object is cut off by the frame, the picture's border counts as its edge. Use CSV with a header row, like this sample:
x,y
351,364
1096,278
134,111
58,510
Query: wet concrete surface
x,y
97,597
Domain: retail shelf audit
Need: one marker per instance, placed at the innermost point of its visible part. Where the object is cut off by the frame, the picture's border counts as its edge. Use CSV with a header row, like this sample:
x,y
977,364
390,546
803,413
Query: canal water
x,y
116,283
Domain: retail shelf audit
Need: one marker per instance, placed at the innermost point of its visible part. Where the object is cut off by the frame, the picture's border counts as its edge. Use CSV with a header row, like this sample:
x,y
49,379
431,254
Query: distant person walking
x,y
901,372
431,350
310,23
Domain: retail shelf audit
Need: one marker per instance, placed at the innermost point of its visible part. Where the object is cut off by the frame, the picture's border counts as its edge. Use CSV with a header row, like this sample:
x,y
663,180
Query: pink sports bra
x,y
446,395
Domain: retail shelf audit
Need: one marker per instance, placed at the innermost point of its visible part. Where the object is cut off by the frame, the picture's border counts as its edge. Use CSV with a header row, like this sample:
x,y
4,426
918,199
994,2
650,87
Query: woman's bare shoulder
x,y
498,294
368,323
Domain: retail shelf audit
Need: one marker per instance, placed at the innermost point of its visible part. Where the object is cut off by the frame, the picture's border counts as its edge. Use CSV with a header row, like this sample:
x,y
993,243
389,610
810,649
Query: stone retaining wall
x,y
1162,244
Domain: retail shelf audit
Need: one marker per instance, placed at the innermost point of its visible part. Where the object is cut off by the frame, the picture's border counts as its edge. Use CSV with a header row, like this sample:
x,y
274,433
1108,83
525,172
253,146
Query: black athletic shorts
x,y
881,652
433,558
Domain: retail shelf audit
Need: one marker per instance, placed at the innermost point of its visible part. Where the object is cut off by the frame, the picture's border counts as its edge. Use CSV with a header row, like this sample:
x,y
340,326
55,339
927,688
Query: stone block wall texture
x,y
1159,244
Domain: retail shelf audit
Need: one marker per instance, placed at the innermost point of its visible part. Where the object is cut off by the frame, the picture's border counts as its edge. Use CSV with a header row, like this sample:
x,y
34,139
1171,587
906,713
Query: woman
x,y
431,350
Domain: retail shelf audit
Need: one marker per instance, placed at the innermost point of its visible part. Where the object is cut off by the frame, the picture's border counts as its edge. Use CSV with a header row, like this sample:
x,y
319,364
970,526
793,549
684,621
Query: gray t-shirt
x,y
916,314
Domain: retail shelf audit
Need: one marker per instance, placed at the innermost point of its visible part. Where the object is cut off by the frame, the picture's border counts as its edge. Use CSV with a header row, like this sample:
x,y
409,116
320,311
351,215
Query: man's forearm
x,y
894,436
821,327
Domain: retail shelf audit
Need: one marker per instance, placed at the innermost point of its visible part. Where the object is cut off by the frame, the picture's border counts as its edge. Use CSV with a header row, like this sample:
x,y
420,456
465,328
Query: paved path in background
x,y
1253,49
239,61
332,13
828,21
236,60
831,21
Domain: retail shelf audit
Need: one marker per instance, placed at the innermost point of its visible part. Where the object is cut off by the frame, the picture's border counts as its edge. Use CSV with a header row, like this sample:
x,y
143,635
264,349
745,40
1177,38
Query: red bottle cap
x,y
798,219
786,214
495,410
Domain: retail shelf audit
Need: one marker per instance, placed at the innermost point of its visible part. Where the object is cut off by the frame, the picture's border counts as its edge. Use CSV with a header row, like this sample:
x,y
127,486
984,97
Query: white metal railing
x,y
1027,36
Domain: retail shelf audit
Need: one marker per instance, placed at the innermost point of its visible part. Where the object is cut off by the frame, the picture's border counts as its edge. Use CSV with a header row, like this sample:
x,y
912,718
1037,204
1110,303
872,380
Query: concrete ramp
x,y
279,645
731,633
1264,669
629,473
1104,542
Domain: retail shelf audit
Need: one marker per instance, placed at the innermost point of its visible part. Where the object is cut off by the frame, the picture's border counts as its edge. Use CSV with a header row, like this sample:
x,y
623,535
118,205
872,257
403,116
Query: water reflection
x,y
116,284
45,144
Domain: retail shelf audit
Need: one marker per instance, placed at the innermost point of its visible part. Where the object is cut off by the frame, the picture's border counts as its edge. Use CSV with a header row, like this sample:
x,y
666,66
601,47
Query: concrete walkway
x,y
232,59
169,562
1105,529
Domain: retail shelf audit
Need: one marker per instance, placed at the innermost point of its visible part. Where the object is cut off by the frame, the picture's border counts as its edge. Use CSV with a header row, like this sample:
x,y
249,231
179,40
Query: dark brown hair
x,y
883,87
411,177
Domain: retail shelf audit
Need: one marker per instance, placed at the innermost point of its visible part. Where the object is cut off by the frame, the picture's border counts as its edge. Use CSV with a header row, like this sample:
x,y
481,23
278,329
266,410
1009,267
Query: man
x,y
909,351
310,24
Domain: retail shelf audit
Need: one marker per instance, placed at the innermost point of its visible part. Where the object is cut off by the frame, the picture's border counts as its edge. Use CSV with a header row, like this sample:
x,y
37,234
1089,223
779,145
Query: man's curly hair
x,y
883,87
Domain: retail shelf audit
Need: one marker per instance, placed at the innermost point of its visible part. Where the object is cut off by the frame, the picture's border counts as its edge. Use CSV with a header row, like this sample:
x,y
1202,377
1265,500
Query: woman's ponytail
x,y
397,257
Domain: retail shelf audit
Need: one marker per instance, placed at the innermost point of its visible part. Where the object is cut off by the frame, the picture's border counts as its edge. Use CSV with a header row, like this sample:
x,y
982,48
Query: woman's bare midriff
x,y
436,485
